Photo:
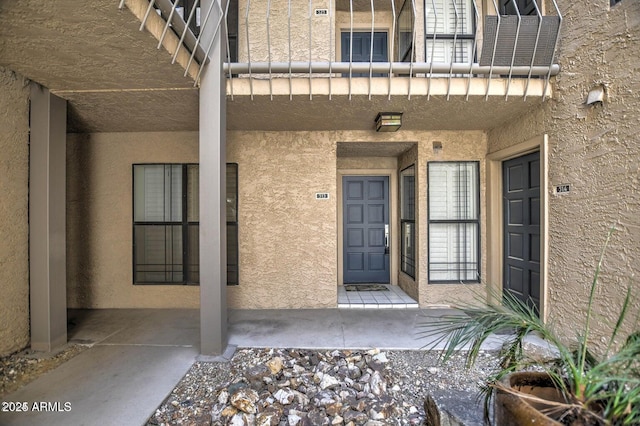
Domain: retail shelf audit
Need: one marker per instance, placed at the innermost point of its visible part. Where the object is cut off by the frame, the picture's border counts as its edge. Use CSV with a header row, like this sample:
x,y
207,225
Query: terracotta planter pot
x,y
511,409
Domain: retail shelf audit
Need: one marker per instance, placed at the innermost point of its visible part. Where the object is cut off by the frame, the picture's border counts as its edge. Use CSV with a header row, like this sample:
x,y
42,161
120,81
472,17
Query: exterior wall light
x,y
596,95
388,121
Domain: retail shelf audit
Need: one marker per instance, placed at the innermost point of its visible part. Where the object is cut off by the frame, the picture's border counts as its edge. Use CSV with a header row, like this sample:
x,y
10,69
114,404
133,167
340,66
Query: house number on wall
x,y
563,189
322,195
322,12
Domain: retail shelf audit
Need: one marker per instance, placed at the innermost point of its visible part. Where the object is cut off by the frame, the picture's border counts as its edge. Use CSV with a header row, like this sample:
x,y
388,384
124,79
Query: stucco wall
x,y
287,238
595,150
14,180
99,218
278,31
456,146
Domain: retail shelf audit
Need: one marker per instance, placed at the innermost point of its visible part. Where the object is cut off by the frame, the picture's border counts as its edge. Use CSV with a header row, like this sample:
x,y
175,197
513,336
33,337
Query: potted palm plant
x,y
577,385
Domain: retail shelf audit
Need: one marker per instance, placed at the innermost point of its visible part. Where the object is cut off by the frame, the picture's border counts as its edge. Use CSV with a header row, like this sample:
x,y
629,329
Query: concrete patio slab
x,y
137,356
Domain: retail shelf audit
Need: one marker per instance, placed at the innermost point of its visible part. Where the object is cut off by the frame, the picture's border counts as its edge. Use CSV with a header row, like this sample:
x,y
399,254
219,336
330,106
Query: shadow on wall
x,y
79,219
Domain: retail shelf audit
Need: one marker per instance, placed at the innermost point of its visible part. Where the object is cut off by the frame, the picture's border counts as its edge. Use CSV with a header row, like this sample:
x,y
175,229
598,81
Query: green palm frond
x,y
606,389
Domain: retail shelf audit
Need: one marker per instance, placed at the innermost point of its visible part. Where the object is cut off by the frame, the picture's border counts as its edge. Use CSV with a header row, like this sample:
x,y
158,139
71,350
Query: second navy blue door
x,y
361,51
366,229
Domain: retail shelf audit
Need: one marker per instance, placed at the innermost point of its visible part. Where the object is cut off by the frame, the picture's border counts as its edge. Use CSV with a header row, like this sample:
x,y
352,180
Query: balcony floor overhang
x,y
436,104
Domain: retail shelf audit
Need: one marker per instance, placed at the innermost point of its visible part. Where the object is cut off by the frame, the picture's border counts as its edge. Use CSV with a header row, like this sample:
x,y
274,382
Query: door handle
x,y
386,239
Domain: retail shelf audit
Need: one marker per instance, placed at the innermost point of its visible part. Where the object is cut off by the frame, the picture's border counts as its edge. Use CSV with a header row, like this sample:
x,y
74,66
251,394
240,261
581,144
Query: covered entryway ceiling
x,y
359,113
372,149
93,55
116,80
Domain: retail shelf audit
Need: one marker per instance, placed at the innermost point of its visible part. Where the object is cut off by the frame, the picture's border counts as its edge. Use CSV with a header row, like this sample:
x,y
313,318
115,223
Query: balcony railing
x,y
422,39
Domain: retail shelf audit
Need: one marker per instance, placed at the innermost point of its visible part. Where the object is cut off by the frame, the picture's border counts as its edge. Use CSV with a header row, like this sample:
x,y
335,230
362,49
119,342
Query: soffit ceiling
x,y
372,149
92,54
359,112
115,80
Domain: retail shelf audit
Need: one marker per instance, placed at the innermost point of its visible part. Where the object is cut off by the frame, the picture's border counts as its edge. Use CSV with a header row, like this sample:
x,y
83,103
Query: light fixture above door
x,y
388,121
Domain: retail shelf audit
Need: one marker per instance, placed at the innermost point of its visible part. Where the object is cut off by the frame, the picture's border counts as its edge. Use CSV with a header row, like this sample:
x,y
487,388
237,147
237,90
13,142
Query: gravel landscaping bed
x,y
23,367
306,387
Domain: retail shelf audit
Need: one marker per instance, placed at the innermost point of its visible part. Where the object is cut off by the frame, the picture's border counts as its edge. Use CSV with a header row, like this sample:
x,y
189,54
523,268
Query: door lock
x,y
386,239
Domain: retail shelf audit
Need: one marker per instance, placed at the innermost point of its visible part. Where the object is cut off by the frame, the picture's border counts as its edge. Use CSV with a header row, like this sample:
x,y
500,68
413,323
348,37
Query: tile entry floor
x,y
394,298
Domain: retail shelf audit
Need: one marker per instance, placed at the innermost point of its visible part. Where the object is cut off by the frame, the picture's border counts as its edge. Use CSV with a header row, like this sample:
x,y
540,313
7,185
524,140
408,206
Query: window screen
x,y
449,30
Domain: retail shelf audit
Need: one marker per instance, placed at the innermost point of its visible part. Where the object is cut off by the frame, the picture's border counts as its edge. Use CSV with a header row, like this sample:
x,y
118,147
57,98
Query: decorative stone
x,y
295,417
381,357
328,382
229,411
284,396
245,400
242,419
270,416
357,417
275,365
334,408
256,375
316,417
223,396
377,384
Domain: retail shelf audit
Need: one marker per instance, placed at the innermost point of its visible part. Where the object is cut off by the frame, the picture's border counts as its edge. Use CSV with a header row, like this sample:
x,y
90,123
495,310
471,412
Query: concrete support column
x,y
47,218
213,221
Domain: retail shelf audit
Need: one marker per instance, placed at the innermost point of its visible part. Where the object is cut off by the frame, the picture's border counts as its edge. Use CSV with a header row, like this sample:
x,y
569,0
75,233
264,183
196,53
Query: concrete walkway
x,y
138,356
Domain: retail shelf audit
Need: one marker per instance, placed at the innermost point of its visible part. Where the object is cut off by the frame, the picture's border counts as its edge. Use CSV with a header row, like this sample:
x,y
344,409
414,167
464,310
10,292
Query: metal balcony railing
x,y
428,39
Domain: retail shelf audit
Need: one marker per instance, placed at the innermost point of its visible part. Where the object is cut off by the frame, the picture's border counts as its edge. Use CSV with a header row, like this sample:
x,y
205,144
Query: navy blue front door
x,y
362,49
366,229
521,195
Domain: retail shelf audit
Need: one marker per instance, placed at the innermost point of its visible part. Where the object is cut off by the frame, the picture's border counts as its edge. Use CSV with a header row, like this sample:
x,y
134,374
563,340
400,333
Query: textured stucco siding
x,y
302,35
14,181
595,149
456,146
287,238
99,218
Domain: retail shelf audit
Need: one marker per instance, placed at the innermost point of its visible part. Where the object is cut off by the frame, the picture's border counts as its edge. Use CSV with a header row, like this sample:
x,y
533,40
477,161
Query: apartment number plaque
x,y
322,12
322,195
563,189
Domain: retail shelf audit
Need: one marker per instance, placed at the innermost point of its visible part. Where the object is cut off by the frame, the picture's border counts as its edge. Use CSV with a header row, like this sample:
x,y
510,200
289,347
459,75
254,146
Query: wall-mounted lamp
x,y
596,95
388,121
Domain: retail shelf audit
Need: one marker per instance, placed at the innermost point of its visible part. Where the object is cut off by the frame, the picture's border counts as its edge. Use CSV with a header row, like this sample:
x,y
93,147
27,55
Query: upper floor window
x,y
449,30
404,33
524,7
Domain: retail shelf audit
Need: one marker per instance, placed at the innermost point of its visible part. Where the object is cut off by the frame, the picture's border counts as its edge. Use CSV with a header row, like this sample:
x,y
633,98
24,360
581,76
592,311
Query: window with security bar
x,y
166,224
454,222
407,221
449,31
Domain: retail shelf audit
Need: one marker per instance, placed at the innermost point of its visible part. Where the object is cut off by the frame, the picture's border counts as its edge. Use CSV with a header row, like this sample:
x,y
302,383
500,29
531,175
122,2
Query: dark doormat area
x,y
365,287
